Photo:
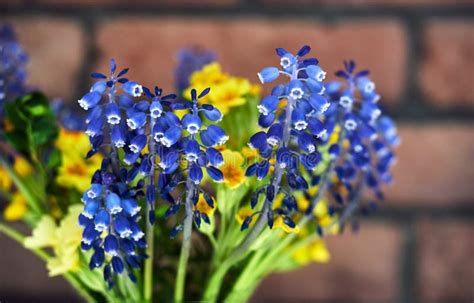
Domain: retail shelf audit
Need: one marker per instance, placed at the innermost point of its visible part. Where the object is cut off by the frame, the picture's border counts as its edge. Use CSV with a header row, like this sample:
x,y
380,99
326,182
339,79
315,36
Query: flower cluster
x,y
364,154
313,147
294,112
197,147
152,140
12,66
111,203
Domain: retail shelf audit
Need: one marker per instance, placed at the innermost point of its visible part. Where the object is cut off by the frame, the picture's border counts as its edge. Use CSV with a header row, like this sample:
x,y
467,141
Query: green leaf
x,y
54,159
34,128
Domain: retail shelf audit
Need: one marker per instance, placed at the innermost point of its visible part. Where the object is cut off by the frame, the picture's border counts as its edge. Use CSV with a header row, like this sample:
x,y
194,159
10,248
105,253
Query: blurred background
x,y
419,247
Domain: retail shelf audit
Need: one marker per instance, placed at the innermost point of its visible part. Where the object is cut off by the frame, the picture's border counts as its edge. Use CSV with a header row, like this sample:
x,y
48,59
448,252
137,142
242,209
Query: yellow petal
x,y
319,252
44,234
22,167
62,264
243,213
16,209
232,169
203,207
5,181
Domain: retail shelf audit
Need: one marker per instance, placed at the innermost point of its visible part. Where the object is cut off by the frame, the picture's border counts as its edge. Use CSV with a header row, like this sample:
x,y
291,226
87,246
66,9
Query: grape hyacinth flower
x,y
366,159
153,140
189,61
197,157
66,116
13,61
292,121
111,216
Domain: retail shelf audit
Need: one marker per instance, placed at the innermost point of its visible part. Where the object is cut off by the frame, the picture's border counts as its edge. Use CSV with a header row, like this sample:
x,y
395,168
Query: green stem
x,y
148,267
186,245
242,288
249,277
78,287
150,236
212,289
17,236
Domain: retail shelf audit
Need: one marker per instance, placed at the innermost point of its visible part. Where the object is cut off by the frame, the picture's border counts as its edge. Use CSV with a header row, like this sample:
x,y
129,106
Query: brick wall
x,y
419,247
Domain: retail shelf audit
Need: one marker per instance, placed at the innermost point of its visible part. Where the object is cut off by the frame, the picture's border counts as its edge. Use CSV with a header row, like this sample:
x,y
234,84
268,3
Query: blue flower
x,y
90,100
111,208
132,88
268,105
365,161
13,61
300,120
189,61
268,74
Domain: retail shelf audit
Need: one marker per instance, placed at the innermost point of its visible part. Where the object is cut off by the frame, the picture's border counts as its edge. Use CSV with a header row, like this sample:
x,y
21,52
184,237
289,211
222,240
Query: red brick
x,y
389,3
445,257
149,45
363,268
448,63
56,48
434,166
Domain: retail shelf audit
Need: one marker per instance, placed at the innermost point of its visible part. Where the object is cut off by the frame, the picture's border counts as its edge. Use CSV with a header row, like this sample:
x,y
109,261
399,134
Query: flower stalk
x,y
185,245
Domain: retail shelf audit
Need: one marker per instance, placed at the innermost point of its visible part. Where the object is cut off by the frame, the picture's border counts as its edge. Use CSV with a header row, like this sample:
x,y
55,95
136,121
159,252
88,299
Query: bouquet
x,y
193,195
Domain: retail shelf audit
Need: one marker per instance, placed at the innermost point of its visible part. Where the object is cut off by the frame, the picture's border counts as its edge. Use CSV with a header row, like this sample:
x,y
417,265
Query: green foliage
x,y
34,129
241,122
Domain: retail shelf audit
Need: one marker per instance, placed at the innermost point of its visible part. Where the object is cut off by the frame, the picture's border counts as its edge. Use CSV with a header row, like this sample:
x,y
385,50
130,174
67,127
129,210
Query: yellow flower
x,y
5,180
321,213
234,174
278,200
210,74
334,136
229,94
316,251
279,223
255,89
44,234
64,239
312,191
249,153
181,112
16,209
22,167
243,213
75,171
203,207
226,91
